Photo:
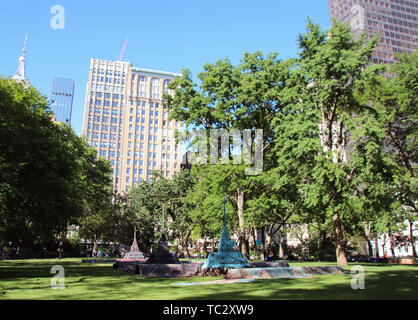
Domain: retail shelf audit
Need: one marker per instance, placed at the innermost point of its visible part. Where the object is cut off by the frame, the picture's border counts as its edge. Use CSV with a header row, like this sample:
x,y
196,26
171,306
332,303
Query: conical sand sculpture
x,y
134,253
226,257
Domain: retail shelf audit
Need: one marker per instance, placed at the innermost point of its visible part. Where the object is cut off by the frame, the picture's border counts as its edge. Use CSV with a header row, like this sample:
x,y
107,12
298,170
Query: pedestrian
x,y
60,245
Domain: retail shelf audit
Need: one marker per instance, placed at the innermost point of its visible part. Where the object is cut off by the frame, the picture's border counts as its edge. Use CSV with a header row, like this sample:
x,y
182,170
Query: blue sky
x,y
163,35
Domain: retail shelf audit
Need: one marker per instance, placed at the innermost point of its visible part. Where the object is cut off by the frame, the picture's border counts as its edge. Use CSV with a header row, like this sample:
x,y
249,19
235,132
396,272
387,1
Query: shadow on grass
x,y
101,281
381,283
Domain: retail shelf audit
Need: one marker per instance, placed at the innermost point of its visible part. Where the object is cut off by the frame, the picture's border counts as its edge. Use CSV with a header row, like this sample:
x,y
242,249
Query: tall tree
x,y
326,110
96,221
233,97
41,168
396,99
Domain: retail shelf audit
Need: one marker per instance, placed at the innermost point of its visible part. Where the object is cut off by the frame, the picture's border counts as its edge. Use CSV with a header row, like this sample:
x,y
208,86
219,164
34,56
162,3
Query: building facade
x,y
396,21
62,99
126,120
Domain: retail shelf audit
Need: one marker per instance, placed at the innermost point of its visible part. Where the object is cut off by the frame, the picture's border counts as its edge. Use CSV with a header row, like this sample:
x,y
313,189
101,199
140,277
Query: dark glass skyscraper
x,y
62,99
395,20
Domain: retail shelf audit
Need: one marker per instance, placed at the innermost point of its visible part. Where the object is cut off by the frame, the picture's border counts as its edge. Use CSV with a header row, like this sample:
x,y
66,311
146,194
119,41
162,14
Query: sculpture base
x,y
282,272
163,254
166,258
185,269
228,260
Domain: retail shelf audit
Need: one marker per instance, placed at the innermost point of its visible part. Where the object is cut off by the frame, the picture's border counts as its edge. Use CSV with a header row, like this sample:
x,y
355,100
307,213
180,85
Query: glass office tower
x,y
394,20
62,99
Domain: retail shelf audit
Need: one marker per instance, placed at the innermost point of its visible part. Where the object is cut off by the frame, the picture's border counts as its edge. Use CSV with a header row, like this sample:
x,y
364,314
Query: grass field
x,y
31,279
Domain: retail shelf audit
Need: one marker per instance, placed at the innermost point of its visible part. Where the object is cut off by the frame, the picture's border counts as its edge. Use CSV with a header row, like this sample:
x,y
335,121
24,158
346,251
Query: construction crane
x,y
123,50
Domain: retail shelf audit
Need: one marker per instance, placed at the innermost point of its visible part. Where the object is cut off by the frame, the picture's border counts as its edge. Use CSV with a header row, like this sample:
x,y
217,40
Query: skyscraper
x,y
126,120
396,21
62,99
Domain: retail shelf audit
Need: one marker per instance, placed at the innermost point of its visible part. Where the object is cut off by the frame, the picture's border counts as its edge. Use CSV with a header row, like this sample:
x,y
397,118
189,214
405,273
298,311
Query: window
x,y
155,88
165,87
142,87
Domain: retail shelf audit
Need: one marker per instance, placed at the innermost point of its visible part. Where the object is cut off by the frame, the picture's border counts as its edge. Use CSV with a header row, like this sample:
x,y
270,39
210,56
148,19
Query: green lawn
x,y
31,279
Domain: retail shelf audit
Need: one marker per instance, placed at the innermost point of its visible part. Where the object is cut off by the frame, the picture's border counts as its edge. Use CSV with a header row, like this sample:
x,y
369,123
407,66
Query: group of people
x,y
97,253
14,251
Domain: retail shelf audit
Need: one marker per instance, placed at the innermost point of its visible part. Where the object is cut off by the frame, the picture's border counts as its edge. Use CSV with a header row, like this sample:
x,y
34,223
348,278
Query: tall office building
x,y
62,99
126,120
396,21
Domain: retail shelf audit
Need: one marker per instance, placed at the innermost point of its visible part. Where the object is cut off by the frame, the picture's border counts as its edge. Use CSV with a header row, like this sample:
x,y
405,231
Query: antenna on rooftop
x,y
123,49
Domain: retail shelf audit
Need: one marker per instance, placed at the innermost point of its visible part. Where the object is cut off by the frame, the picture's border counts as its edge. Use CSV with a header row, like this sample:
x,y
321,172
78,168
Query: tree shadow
x,y
99,281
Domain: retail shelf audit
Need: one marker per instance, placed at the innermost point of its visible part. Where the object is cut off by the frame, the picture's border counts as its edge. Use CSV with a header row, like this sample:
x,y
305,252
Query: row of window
x,y
105,111
103,136
140,88
116,73
106,95
105,119
142,120
106,103
108,80
107,87
105,127
135,164
151,164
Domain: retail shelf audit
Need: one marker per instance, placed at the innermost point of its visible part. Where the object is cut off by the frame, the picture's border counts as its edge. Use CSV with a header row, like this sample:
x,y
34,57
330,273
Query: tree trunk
x,y
95,244
283,243
383,245
367,229
184,241
376,242
243,243
254,239
214,245
332,137
412,238
322,244
263,244
392,249
269,247
369,247
339,242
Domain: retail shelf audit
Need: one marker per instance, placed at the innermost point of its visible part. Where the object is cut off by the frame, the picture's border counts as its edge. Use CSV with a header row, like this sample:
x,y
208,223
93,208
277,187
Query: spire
x,y
24,46
20,73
